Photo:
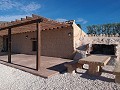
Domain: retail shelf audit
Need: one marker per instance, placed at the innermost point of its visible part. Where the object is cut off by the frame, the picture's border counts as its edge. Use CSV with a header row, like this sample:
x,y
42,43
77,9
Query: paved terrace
x,y
49,65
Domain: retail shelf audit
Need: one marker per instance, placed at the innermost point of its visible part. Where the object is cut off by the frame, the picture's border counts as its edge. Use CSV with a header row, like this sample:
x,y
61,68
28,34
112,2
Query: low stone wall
x,y
104,39
101,40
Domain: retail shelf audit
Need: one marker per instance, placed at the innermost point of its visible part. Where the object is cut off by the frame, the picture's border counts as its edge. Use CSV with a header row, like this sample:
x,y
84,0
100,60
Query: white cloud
x,y
31,7
11,18
84,22
81,20
10,4
7,4
61,20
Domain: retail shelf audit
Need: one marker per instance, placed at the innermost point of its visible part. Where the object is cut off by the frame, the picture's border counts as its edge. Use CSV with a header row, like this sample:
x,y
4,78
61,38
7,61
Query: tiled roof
x,y
20,26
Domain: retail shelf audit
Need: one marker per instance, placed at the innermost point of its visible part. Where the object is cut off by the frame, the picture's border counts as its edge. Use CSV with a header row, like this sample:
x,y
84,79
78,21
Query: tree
x,y
90,30
107,29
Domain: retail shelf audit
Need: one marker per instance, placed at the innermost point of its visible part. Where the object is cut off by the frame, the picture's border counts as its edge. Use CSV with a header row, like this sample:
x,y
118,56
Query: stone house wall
x,y
60,42
54,43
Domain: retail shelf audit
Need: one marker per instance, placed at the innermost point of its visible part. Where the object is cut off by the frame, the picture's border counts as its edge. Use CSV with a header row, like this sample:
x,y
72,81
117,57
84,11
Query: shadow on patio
x,y
49,65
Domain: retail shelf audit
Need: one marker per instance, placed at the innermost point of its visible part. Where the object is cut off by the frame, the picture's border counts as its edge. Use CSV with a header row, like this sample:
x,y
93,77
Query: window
x,y
34,45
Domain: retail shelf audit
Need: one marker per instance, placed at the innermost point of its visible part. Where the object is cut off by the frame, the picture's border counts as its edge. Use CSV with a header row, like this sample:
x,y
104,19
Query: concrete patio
x,y
49,65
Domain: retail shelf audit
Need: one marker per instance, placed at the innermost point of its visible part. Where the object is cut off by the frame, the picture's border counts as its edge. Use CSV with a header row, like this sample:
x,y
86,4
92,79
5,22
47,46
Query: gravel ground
x,y
14,79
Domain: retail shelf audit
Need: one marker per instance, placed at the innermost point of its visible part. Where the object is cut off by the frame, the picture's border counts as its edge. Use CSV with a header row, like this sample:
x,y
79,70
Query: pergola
x,y
29,24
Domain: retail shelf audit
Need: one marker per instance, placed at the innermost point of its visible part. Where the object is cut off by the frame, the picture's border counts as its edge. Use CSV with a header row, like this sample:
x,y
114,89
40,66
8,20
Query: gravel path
x,y
14,79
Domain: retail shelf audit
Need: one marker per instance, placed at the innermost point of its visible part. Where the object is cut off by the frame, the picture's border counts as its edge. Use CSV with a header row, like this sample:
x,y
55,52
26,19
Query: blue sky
x,y
84,12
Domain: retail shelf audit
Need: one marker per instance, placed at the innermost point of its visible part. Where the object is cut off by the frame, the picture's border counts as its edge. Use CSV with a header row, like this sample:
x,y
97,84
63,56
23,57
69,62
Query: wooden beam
x,y
38,60
9,45
28,18
22,23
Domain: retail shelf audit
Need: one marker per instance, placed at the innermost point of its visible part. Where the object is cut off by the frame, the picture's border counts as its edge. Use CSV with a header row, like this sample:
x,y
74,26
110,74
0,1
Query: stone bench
x,y
117,72
72,66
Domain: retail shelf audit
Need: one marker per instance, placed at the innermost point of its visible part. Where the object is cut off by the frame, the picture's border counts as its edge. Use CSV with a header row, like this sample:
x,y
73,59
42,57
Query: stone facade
x,y
60,42
54,43
111,40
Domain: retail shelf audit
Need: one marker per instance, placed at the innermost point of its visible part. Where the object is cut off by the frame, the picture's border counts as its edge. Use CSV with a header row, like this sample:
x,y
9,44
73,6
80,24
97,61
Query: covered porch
x,y
33,62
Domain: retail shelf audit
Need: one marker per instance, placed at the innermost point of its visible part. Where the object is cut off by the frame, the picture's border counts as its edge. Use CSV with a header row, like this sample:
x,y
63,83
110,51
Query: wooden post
x,y
9,45
38,61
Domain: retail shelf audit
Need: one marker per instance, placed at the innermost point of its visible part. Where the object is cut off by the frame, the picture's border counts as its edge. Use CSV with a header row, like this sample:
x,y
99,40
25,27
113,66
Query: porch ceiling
x,y
28,24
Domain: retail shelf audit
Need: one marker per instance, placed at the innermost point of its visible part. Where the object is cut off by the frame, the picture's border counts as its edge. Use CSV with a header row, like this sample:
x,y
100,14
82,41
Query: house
x,y
37,44
58,39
